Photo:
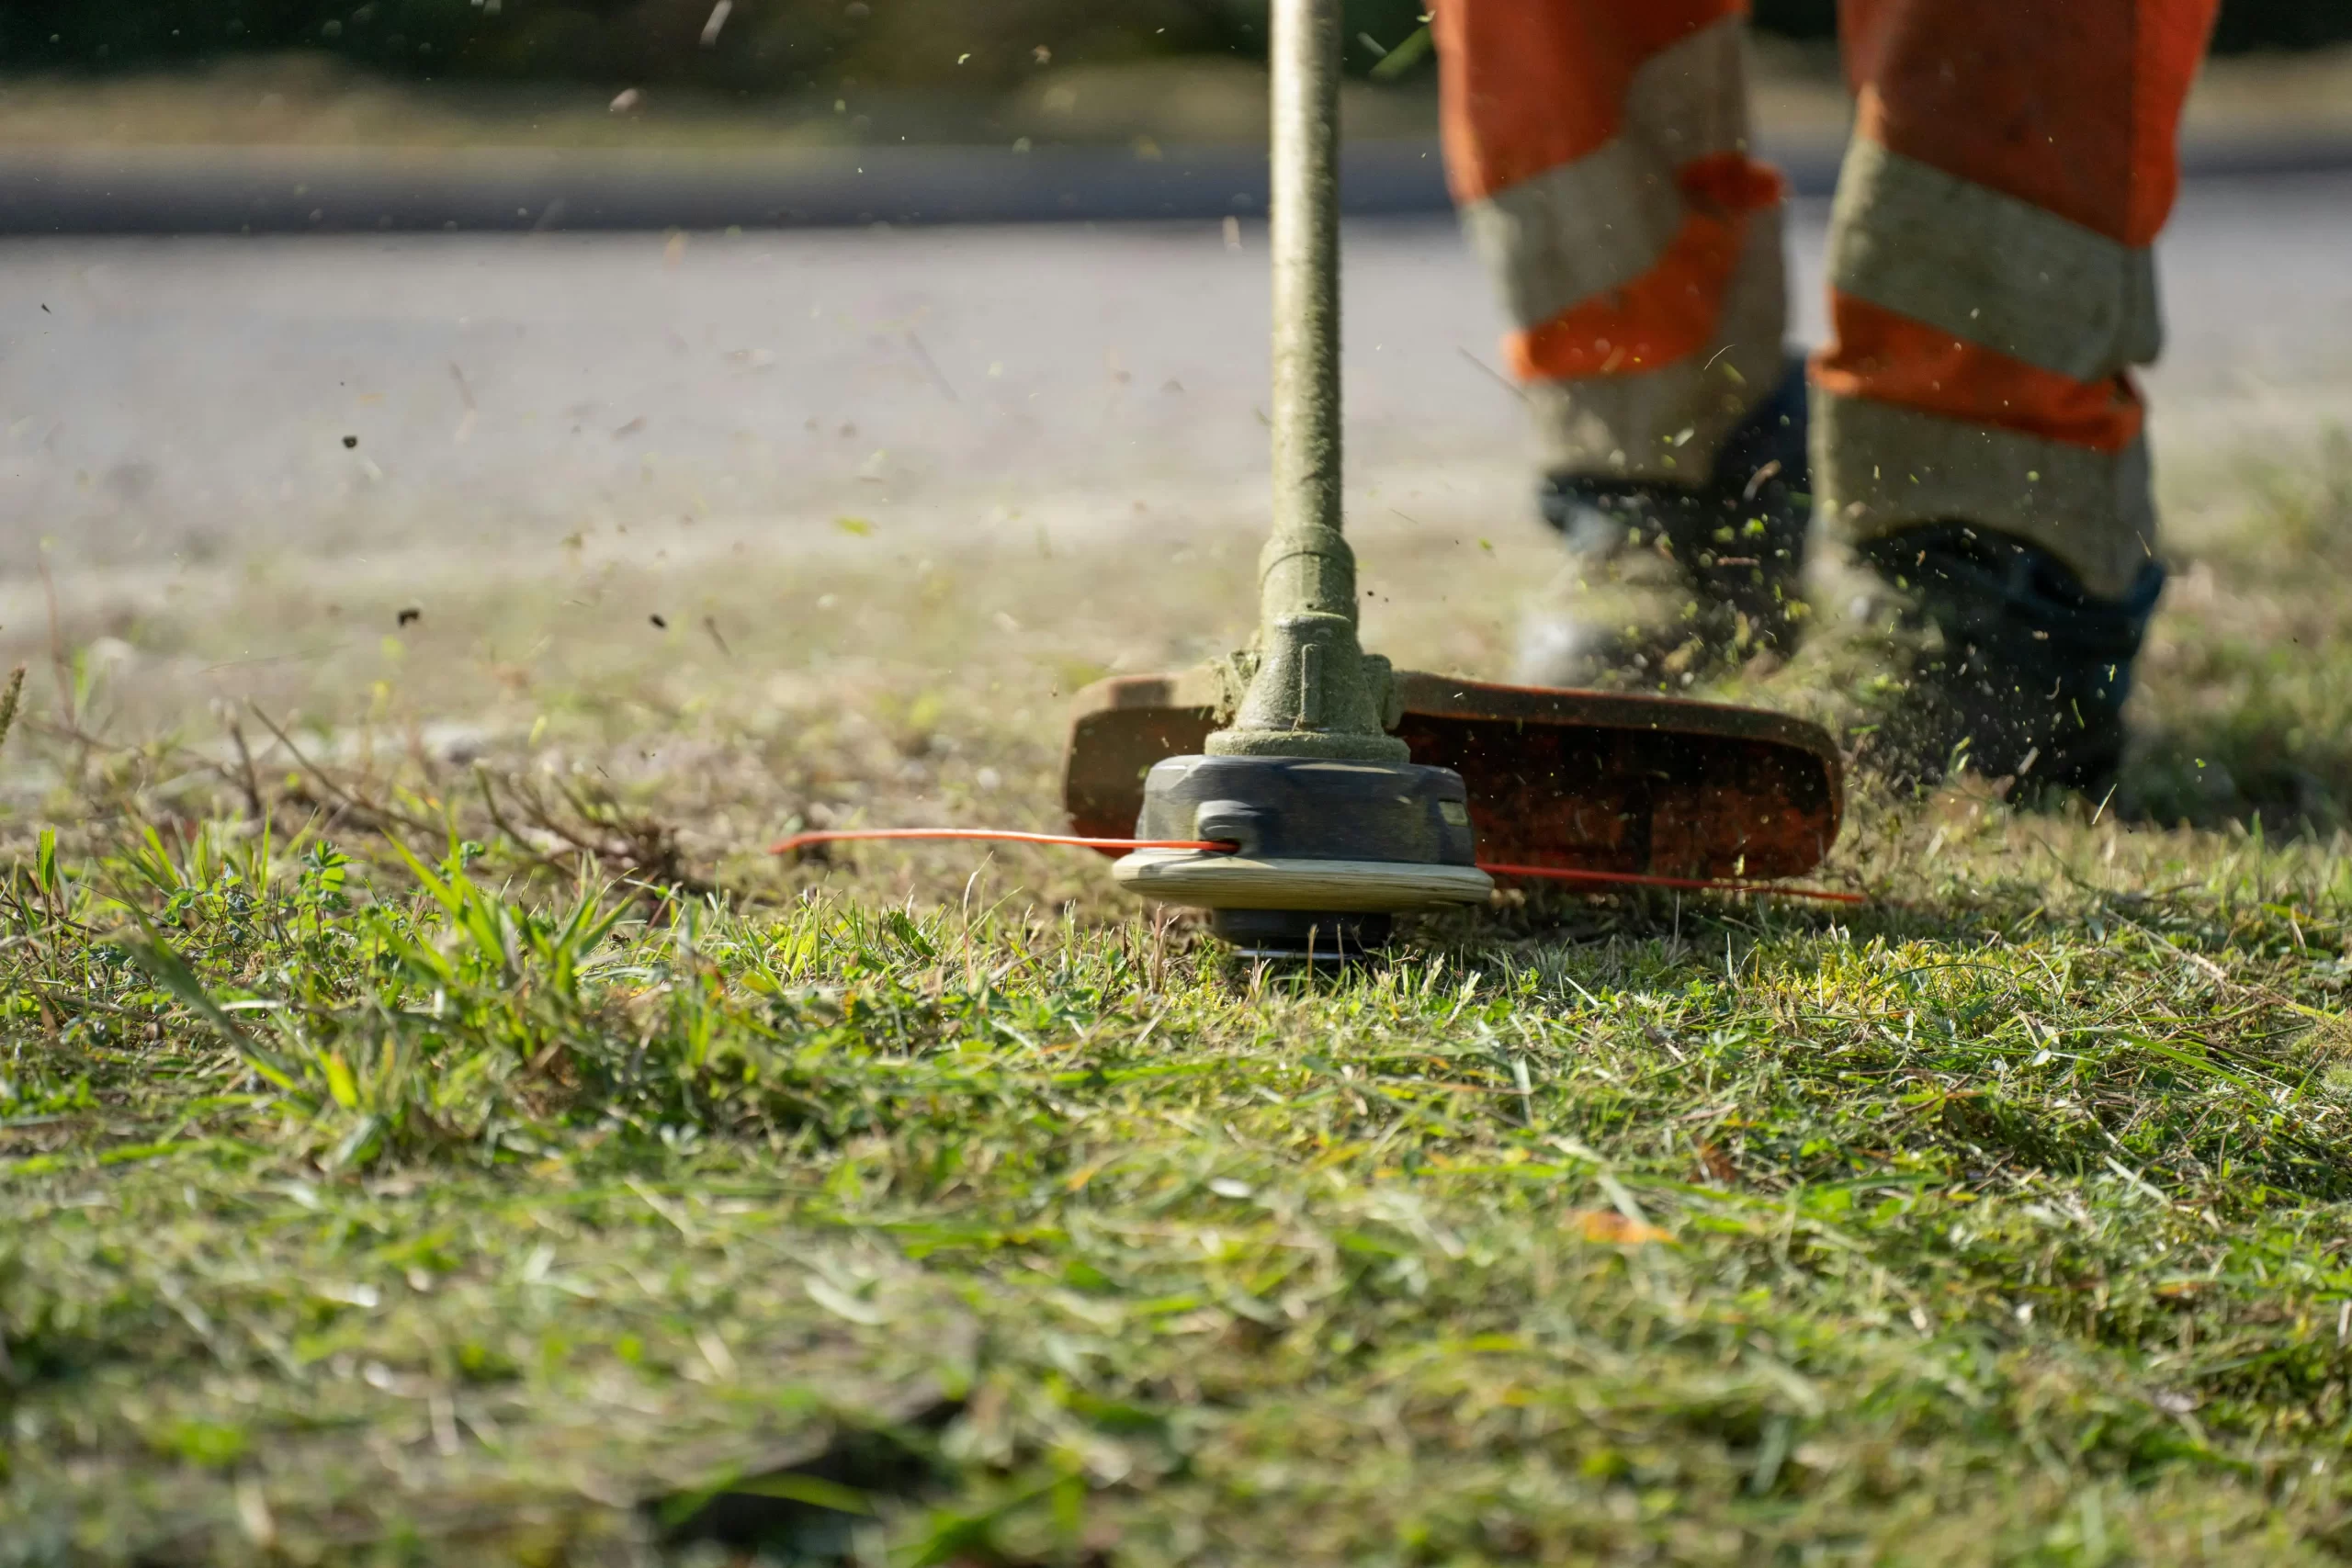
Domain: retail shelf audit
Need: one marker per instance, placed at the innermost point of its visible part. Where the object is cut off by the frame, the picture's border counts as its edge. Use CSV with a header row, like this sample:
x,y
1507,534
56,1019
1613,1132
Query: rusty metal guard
x,y
1583,781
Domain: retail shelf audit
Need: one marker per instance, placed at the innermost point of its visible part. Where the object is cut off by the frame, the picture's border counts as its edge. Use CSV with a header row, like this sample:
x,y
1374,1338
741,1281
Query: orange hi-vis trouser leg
x,y
1991,282
1598,150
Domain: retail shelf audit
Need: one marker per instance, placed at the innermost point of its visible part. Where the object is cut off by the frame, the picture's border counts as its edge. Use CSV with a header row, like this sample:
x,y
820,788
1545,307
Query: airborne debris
x,y
350,443
658,623
1607,1228
9,699
407,616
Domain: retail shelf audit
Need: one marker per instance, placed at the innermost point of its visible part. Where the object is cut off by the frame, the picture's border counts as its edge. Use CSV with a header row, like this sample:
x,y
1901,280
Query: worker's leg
x,y
1990,275
1991,288
1599,152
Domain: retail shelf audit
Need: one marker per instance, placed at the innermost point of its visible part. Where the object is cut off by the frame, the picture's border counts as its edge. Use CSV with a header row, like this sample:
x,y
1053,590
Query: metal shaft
x,y
1306,233
1311,692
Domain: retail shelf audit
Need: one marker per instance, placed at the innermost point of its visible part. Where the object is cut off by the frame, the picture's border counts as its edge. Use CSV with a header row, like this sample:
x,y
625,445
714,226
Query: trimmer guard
x,y
1579,780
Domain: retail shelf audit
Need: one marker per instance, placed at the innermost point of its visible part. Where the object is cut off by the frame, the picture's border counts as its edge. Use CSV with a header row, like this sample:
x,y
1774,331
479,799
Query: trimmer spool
x,y
1324,850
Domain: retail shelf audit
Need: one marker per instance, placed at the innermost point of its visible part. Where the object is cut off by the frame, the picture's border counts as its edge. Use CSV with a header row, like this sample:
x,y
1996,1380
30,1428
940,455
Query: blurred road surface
x,y
168,401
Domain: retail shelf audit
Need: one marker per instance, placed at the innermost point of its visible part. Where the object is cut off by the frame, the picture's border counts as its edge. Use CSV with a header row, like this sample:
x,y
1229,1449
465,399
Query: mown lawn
x,y
409,1156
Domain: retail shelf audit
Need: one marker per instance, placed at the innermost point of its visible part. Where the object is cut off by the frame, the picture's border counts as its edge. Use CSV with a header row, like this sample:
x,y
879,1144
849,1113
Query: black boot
x,y
1664,579
2014,669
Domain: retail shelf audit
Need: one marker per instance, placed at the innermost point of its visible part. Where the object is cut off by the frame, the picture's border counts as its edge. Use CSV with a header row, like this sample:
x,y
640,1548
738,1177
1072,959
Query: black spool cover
x,y
1304,809
1307,808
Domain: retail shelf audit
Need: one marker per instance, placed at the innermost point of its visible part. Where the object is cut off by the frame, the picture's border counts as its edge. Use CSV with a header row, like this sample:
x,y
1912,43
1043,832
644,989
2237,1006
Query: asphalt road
x,y
175,401
332,190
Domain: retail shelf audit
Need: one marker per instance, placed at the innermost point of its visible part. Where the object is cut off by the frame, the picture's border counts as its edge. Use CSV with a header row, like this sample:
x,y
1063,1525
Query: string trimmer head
x,y
1611,783
1616,788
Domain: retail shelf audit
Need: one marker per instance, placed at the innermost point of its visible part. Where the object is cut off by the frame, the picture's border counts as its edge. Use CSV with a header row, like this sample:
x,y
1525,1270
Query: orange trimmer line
x,y
1683,883
1217,846
803,840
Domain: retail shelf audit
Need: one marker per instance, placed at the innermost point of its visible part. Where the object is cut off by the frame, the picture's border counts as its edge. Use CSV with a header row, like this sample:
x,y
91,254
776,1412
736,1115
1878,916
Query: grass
x,y
438,1145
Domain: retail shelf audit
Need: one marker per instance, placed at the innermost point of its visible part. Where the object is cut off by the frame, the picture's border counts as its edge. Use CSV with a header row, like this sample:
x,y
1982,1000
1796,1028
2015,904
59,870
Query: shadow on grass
x,y
2248,708
1688,928
2247,766
812,1512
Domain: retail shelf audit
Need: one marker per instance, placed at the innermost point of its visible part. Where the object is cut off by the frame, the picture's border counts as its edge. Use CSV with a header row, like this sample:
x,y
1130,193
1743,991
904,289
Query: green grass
x,y
403,1161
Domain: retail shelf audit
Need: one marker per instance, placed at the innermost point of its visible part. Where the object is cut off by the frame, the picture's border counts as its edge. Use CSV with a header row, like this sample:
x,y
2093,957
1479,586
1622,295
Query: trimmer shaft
x,y
1338,829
